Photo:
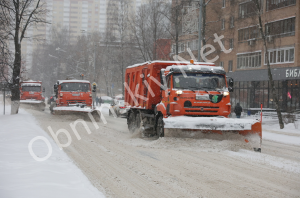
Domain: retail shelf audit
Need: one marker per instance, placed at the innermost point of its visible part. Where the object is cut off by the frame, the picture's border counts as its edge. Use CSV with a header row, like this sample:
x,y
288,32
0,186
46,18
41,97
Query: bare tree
x,y
149,25
264,35
174,12
21,14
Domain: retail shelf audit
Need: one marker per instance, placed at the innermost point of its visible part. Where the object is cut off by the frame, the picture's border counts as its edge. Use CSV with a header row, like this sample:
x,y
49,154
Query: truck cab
x,y
195,90
73,93
31,90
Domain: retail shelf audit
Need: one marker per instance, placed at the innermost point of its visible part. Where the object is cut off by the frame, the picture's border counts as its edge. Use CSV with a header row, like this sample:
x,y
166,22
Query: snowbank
x,y
288,128
22,176
265,159
286,139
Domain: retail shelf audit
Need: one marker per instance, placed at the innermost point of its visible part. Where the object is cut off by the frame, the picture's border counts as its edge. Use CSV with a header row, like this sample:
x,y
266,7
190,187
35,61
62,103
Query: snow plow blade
x,y
33,104
77,111
219,125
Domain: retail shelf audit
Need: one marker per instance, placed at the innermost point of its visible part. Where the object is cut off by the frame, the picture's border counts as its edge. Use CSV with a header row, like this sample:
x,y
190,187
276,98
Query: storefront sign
x,y
292,73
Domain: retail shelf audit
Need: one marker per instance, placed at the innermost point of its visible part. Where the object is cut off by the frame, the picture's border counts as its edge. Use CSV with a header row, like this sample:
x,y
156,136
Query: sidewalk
x,y
22,176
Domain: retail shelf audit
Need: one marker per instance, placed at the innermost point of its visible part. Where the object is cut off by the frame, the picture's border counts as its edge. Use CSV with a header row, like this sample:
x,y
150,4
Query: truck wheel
x,y
138,120
51,107
160,127
131,122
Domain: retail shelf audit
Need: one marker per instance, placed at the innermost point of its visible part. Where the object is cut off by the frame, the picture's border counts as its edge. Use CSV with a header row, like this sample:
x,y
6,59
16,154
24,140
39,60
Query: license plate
x,y
75,94
31,92
202,97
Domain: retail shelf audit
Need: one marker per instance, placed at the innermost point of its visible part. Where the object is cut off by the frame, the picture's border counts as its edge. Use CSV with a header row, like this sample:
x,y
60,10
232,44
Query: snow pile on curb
x,y
265,159
286,139
22,176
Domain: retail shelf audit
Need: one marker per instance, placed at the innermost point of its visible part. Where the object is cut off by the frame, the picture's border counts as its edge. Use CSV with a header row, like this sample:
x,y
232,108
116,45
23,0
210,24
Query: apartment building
x,y
244,57
78,16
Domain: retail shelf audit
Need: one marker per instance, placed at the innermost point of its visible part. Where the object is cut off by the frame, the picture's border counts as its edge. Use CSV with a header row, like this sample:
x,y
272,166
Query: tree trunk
x,y
281,124
204,28
15,91
269,67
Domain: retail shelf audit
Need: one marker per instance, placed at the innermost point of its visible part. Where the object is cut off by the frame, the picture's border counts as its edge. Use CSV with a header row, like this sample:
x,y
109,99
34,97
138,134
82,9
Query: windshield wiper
x,y
207,88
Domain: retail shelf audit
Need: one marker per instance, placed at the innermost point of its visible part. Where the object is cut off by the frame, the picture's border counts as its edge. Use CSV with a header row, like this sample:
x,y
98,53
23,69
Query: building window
x,y
248,8
190,45
285,27
221,64
195,44
231,22
274,4
248,33
181,47
222,24
223,43
281,55
231,43
230,65
173,48
249,60
223,3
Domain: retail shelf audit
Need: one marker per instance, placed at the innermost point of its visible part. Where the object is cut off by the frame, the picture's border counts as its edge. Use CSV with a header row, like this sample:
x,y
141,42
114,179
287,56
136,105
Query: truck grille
x,y
203,109
75,101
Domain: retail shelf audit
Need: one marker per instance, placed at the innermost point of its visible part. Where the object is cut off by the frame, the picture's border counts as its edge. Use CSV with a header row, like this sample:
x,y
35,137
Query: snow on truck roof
x,y
216,69
72,81
171,63
31,83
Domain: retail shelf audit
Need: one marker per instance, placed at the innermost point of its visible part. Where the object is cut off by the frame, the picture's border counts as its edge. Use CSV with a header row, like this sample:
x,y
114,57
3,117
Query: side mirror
x,y
55,87
230,82
43,89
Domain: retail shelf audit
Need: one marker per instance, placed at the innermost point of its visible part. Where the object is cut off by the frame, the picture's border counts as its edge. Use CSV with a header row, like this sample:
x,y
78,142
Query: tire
x,y
52,105
160,127
131,122
138,120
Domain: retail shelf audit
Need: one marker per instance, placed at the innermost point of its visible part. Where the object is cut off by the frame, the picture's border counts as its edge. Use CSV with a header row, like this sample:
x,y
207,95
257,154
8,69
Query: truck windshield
x,y
196,81
31,88
78,87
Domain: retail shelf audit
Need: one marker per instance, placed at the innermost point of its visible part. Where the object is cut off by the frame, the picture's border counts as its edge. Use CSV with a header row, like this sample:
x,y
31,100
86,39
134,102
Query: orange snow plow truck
x,y
167,96
72,96
31,95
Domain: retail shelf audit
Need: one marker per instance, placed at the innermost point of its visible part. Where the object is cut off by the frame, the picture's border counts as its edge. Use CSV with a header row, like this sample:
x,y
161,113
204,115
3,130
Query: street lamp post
x,y
200,29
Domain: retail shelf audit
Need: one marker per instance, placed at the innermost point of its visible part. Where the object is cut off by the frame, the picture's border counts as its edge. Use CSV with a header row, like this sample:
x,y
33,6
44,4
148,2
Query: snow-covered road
x,y
125,165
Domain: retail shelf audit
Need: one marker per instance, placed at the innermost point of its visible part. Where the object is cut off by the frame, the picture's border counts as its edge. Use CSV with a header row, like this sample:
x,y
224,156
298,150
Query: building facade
x,y
78,16
244,56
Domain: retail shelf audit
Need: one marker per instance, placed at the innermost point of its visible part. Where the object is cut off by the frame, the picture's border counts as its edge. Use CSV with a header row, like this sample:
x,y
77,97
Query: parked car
x,y
106,99
119,107
51,99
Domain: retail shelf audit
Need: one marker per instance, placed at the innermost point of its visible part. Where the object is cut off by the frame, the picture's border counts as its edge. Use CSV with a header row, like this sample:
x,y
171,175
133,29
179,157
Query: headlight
x,y
61,95
225,93
179,92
